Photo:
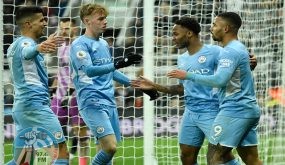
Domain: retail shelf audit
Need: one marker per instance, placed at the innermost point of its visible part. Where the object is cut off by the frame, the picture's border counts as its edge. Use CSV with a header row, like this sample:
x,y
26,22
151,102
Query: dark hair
x,y
67,19
233,19
189,23
27,11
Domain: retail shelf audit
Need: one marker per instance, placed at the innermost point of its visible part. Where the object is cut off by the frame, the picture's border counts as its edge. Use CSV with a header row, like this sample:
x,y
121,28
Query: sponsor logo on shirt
x,y
200,71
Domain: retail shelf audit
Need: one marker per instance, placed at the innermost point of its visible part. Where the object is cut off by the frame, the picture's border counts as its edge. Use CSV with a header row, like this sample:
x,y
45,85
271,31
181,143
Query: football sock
x,y
61,162
101,158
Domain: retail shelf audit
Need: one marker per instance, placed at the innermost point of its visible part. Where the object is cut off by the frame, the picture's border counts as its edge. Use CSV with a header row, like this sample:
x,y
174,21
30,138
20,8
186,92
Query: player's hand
x,y
51,44
130,59
142,83
179,74
153,94
253,61
56,39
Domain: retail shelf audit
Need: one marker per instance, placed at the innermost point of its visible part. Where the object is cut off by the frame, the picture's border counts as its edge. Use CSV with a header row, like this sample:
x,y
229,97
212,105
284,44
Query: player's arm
x,y
223,74
253,61
80,58
30,50
121,78
146,84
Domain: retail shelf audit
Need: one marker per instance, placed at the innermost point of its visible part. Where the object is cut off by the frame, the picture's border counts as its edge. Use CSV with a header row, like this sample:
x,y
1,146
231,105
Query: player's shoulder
x,y
212,47
25,41
102,40
236,47
78,40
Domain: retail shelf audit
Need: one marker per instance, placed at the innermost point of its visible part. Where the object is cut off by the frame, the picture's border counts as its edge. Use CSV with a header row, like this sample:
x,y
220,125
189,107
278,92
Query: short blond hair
x,y
90,8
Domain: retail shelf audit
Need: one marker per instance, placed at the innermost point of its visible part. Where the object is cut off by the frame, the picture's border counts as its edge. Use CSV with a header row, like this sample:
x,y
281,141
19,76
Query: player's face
x,y
97,22
66,29
179,36
218,29
37,25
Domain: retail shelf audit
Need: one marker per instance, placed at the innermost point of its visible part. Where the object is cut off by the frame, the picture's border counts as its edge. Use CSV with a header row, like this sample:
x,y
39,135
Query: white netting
x,y
262,31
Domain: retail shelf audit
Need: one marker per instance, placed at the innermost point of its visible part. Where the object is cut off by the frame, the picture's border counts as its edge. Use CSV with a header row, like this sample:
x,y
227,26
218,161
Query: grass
x,y
130,151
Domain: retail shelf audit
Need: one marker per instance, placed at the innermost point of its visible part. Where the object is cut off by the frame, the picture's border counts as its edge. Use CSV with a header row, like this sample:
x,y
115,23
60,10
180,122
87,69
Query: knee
x,y
251,160
188,154
111,149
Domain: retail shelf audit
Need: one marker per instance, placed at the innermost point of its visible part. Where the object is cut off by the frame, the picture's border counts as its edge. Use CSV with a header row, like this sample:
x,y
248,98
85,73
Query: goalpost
x,y
150,129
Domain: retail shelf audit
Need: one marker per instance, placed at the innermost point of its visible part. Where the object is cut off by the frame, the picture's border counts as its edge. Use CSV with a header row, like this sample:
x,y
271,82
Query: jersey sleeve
x,y
121,78
82,61
227,64
29,49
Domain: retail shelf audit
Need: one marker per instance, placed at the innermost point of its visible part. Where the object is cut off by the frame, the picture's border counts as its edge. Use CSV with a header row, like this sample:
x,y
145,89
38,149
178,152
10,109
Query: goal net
x,y
262,32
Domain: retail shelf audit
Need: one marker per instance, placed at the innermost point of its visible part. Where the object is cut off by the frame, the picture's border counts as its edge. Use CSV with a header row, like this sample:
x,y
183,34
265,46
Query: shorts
x,y
102,120
234,132
68,115
195,127
28,115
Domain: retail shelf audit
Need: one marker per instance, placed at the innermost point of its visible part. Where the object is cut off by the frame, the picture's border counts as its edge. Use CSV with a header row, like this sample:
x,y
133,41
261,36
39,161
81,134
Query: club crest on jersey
x,y
58,135
25,44
202,59
81,54
100,130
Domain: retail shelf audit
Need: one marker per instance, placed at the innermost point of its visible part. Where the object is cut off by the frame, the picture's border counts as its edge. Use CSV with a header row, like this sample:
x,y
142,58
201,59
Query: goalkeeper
x,y
93,73
201,102
63,102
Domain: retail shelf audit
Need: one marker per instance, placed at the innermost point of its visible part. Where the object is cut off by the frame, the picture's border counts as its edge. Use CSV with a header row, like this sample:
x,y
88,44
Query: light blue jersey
x,y
235,80
201,102
30,79
200,98
93,72
28,72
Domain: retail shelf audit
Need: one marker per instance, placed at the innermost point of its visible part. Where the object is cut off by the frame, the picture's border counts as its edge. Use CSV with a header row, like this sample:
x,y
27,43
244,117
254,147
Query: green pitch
x,y
130,151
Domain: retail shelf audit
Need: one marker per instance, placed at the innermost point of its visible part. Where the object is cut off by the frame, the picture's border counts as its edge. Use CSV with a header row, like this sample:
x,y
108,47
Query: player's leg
x,y
247,149
79,130
249,155
56,129
61,113
38,115
218,154
104,123
191,138
83,145
222,141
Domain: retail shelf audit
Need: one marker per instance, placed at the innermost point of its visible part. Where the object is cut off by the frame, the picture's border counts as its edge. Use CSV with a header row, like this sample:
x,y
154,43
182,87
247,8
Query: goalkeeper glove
x,y
130,59
153,94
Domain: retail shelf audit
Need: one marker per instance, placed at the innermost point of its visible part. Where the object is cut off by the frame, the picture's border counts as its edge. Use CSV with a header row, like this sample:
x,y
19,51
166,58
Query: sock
x,y
102,158
61,162
11,162
83,160
232,162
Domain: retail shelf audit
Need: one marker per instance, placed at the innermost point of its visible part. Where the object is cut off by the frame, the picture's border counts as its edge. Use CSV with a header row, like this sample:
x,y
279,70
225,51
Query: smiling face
x,y
36,25
179,36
